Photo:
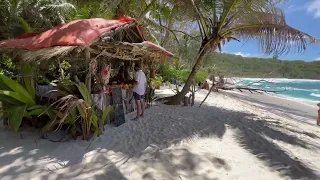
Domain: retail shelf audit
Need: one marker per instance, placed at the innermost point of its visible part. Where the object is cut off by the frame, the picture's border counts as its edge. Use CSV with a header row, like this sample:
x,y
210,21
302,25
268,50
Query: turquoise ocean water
x,y
306,90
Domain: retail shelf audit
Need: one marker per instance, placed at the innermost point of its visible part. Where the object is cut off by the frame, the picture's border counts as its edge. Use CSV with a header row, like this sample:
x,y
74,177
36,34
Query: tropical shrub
x,y
156,82
19,100
77,109
150,96
169,73
7,65
168,84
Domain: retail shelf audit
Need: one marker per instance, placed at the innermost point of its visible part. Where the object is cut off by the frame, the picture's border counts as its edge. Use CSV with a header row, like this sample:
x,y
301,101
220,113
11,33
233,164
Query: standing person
x,y
139,89
318,120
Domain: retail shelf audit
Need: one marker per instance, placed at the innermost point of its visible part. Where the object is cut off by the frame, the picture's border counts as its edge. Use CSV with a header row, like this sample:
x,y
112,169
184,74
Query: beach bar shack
x,y
101,53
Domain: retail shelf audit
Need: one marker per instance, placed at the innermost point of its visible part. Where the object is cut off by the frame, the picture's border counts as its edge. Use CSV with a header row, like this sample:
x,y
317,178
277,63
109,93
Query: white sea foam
x,y
307,90
275,79
315,94
256,84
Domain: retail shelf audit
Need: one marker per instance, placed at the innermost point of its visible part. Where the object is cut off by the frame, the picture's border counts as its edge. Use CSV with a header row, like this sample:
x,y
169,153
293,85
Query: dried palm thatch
x,y
126,51
41,54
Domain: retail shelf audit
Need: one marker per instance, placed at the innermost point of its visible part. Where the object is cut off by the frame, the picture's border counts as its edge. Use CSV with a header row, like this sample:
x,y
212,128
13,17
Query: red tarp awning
x,y
74,33
152,46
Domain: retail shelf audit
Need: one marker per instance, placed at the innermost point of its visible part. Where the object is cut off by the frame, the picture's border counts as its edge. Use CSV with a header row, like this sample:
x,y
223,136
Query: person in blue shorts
x,y
139,89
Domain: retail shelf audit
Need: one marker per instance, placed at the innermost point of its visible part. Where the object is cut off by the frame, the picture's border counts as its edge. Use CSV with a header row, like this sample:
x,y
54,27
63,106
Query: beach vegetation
x,y
169,72
195,30
255,67
234,20
19,100
77,109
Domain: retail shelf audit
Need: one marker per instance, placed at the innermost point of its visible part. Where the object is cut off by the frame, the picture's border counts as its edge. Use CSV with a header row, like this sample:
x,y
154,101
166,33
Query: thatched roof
x,y
38,55
122,39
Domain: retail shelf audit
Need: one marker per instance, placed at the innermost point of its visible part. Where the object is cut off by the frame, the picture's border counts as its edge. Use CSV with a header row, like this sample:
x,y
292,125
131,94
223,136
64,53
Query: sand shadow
x,y
172,125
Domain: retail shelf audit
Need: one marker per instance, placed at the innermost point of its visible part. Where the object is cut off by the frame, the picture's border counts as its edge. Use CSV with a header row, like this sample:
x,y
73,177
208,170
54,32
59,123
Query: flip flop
x,y
136,118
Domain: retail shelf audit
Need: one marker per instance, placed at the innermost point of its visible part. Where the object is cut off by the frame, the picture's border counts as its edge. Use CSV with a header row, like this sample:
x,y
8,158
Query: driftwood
x,y
251,90
228,86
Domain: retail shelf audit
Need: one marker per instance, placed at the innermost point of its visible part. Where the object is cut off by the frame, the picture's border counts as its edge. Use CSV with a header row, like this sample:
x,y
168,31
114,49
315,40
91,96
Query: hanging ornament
x,y
105,75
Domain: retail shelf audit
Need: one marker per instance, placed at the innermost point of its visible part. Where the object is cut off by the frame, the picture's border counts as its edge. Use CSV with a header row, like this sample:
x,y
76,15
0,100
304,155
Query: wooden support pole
x,y
88,77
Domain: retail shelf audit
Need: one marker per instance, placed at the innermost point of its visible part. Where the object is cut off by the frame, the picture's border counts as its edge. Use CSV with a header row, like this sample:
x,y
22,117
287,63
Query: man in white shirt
x,y
139,89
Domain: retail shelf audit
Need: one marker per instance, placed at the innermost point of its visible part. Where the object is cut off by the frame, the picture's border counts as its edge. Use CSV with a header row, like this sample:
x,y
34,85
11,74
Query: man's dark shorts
x,y
138,96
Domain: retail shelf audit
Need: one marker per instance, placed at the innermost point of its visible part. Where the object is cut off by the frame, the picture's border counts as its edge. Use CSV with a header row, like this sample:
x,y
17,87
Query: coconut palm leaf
x,y
25,25
223,20
269,28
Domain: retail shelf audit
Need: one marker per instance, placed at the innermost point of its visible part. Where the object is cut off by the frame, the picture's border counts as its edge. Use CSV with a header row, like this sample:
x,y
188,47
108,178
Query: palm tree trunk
x,y
176,99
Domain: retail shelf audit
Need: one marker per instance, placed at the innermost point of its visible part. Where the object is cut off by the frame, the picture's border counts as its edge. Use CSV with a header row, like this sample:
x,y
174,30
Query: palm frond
x,y
24,25
270,29
63,6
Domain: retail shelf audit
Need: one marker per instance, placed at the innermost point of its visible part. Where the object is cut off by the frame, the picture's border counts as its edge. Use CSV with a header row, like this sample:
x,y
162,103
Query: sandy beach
x,y
232,136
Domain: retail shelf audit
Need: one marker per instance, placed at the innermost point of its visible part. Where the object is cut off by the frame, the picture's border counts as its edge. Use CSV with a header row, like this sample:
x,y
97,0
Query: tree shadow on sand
x,y
162,127
252,134
26,161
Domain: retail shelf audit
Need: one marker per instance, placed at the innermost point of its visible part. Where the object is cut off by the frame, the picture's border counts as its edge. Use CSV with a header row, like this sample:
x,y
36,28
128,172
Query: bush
x,y
168,73
156,82
7,65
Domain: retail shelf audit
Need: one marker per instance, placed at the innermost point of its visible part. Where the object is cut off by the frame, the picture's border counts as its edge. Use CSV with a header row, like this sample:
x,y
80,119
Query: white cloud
x,y
243,54
314,8
293,8
317,59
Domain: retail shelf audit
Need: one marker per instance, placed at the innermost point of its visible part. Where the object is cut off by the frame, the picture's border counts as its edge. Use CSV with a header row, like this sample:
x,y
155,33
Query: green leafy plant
x,y
150,96
63,67
6,64
177,64
105,115
77,109
156,82
169,73
19,100
168,84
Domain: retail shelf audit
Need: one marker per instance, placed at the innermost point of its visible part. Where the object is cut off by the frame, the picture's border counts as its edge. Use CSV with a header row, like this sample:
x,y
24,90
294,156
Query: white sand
x,y
227,138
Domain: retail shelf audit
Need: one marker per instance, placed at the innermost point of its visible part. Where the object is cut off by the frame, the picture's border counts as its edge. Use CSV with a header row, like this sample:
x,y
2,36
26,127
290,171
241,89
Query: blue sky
x,y
303,15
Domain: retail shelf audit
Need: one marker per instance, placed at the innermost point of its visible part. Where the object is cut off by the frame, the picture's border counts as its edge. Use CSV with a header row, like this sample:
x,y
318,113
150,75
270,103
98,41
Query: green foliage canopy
x,y
238,66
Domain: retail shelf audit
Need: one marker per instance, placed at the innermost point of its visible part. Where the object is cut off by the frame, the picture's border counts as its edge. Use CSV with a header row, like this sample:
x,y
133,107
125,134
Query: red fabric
x,y
205,86
75,33
26,35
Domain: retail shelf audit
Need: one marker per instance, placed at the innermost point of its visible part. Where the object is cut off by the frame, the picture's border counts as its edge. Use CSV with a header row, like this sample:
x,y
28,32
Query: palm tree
x,y
221,21
136,9
20,16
